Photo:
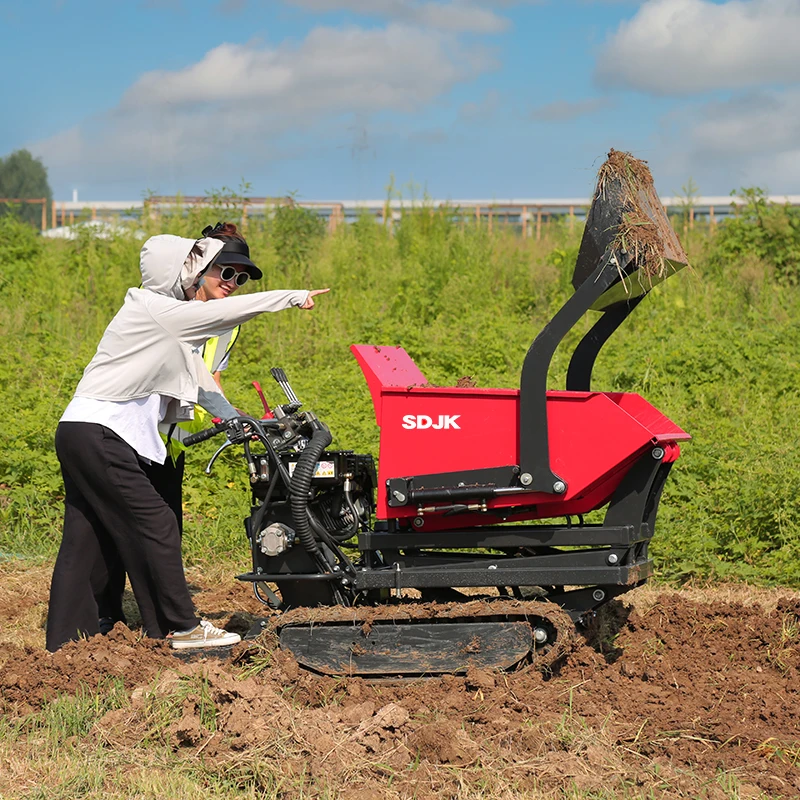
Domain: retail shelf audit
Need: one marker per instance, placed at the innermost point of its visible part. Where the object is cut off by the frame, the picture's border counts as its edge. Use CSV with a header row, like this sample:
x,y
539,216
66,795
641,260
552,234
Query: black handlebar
x,y
237,428
201,436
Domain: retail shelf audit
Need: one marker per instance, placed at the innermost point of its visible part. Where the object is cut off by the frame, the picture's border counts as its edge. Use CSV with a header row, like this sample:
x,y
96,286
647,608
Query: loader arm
x,y
534,446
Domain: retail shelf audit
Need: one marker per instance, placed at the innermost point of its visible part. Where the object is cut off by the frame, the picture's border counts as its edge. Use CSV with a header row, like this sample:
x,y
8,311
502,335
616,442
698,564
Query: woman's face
x,y
214,288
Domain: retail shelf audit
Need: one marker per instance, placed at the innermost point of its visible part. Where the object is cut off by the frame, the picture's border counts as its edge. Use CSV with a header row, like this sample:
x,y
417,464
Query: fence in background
x,y
529,216
43,201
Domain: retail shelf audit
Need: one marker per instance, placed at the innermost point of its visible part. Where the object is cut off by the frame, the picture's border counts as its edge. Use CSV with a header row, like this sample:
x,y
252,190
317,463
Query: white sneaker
x,y
204,635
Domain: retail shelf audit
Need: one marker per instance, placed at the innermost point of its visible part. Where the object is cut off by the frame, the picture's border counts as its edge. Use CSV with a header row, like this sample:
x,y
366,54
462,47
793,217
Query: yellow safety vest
x,y
214,353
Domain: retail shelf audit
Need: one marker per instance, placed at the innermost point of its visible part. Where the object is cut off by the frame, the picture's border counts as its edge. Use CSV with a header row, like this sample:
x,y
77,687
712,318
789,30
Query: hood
x,y
166,267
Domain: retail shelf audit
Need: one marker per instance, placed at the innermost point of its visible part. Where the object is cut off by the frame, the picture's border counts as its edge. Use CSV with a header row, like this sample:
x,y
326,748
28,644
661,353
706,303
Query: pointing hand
x,y
309,303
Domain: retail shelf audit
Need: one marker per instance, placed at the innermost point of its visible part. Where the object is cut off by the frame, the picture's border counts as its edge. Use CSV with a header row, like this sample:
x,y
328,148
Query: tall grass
x,y
716,349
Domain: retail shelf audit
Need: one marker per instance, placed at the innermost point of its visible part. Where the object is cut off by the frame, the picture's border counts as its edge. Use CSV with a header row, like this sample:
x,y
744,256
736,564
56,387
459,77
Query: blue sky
x,y
459,98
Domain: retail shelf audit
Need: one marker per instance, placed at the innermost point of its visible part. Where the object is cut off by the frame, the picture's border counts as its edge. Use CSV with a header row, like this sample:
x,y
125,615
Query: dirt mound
x,y
23,603
666,695
31,676
711,684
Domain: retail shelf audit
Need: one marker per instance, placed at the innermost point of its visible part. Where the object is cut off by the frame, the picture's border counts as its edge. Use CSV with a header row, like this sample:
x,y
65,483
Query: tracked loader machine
x,y
467,546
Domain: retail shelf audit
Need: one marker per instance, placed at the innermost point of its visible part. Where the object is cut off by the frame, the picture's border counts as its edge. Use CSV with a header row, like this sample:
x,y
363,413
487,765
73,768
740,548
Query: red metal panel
x,y
590,437
473,430
661,426
594,437
386,366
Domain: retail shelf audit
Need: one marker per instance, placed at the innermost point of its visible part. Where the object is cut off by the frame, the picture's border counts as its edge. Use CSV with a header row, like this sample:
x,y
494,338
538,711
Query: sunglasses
x,y
232,274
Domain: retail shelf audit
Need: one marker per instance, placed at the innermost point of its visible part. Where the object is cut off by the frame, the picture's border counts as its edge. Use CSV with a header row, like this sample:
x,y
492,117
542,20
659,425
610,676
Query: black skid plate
x,y
418,649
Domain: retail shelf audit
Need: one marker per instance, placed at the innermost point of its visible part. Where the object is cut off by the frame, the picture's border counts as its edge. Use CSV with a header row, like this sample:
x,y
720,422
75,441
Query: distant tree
x,y
21,176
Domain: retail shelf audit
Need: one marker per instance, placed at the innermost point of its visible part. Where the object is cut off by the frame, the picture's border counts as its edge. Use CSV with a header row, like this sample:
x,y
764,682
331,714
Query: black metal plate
x,y
411,649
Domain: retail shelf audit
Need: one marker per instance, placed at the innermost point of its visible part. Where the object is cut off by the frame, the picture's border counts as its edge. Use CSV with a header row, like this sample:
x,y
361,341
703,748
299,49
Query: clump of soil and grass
x,y
641,231
627,219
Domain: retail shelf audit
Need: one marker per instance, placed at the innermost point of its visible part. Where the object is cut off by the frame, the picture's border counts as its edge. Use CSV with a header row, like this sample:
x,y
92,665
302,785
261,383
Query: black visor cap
x,y
236,253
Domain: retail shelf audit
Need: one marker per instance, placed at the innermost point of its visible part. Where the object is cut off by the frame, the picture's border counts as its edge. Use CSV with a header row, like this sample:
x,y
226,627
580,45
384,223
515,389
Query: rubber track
x,y
411,611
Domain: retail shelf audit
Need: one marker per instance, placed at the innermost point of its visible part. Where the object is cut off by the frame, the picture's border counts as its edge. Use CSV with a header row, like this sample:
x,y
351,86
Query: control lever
x,y
283,382
267,411
210,464
236,434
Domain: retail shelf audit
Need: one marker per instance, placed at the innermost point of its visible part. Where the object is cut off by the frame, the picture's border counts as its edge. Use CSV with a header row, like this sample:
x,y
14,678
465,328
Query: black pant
x,y
110,506
167,480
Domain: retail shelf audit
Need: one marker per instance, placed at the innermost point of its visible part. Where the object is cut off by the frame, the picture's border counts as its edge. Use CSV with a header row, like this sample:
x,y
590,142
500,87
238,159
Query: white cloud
x,y
244,102
566,111
231,6
692,46
428,136
349,69
483,109
750,139
749,123
456,15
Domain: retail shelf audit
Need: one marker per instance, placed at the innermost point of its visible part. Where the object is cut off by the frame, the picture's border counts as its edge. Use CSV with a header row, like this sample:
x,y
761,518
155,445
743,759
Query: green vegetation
x,y
715,349
763,235
23,176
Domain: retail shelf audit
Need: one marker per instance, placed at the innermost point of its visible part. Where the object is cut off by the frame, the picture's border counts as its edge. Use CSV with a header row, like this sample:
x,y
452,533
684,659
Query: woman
x,y
146,370
215,283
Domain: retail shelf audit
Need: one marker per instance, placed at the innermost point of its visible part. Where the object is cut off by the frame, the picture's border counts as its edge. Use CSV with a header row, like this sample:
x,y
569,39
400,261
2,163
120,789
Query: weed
x,y
782,654
783,751
68,718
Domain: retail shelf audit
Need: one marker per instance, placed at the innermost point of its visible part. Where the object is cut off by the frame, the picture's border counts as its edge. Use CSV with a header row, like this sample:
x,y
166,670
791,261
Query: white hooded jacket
x,y
150,345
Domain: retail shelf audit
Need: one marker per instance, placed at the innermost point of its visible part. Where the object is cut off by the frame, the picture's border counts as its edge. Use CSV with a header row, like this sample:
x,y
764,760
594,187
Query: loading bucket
x,y
627,219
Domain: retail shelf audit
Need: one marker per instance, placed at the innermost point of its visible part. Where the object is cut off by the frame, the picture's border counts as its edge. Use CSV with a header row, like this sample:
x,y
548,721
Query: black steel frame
x,y
581,365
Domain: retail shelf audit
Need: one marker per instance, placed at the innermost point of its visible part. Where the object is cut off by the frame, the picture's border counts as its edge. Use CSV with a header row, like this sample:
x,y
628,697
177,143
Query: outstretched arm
x,y
195,322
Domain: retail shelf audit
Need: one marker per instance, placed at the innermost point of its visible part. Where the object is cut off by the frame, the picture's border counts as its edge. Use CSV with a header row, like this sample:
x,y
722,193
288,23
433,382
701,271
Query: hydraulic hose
x,y
301,485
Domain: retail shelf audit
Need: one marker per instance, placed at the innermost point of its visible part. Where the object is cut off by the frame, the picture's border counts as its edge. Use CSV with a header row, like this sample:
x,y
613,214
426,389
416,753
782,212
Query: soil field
x,y
690,693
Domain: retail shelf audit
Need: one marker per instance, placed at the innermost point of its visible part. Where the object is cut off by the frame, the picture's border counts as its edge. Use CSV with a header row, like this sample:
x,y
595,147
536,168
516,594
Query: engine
x,y
338,503
342,486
